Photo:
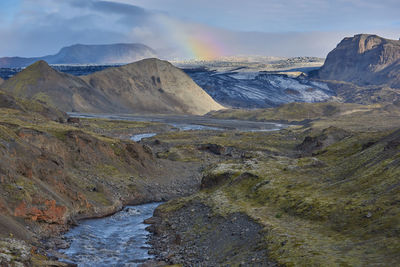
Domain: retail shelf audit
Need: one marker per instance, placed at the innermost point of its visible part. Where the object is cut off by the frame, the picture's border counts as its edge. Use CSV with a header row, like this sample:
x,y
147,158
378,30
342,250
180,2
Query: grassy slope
x,y
322,115
337,207
292,112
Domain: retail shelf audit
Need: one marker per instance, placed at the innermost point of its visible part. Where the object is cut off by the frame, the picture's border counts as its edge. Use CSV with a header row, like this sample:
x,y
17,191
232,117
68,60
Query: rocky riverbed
x,y
182,178
194,236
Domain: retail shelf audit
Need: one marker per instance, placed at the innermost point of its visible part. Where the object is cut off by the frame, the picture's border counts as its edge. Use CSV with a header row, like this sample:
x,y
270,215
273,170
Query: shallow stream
x,y
121,239
117,240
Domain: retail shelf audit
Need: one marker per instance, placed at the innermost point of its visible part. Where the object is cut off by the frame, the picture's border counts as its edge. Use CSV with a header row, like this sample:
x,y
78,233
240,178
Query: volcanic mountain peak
x,y
40,68
363,60
37,73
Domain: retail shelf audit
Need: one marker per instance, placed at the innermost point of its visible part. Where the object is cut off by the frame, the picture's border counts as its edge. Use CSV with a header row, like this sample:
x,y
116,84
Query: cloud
x,y
282,16
186,29
108,7
45,26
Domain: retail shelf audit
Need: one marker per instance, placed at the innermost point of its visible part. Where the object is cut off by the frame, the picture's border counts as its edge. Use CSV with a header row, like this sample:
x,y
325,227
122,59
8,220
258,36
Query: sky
x,y
192,29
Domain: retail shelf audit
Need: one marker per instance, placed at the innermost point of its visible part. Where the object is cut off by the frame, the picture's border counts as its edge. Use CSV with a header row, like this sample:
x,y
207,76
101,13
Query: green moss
x,y
106,169
60,134
43,98
100,198
7,134
173,205
107,124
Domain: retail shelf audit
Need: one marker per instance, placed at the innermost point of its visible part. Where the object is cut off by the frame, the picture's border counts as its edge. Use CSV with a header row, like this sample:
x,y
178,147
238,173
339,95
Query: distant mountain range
x,y
361,69
150,86
87,54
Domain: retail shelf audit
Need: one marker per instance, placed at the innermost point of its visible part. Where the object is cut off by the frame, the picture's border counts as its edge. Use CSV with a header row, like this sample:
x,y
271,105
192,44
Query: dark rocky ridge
x,y
87,54
364,60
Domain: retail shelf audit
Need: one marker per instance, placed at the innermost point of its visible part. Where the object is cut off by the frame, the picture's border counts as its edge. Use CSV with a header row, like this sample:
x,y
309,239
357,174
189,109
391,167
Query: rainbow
x,y
204,47
195,41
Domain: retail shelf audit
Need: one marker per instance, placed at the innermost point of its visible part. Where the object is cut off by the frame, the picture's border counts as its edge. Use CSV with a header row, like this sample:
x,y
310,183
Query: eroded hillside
x,y
54,172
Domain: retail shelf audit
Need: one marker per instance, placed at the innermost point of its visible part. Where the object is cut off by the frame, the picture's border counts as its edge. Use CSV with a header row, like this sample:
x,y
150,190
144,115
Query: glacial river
x,y
117,240
191,122
121,239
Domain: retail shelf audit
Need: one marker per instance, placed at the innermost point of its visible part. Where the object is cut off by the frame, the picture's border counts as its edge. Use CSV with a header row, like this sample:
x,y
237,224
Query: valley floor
x,y
323,195
324,192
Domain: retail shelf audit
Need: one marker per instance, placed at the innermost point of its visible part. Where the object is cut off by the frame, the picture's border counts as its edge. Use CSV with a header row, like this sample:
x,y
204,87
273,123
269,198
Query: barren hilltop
x,y
150,85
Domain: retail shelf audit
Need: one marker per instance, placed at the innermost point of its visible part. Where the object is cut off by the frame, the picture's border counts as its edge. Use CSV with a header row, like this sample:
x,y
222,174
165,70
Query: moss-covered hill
x,y
325,196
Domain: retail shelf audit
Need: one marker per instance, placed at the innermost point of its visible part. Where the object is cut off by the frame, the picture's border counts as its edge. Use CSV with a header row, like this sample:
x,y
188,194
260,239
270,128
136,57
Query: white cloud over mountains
x,y
186,28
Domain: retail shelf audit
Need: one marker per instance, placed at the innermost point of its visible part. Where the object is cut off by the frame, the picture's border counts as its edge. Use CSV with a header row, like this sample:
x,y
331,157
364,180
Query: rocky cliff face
x,y
87,54
149,85
364,60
